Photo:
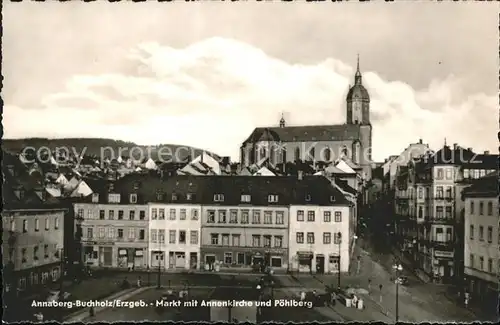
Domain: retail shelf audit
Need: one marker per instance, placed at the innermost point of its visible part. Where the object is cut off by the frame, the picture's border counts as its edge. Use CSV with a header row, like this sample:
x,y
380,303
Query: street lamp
x,y
339,241
159,269
398,268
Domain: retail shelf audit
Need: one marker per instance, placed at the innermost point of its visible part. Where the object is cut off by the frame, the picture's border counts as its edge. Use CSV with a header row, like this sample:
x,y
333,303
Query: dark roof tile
x,y
202,189
305,133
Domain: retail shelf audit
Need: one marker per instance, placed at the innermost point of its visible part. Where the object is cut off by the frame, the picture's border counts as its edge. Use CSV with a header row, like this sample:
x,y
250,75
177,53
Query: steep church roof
x,y
306,133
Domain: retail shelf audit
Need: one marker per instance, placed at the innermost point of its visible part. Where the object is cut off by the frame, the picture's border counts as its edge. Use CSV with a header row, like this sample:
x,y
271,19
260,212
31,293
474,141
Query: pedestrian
x,y
369,285
302,295
466,299
333,298
139,282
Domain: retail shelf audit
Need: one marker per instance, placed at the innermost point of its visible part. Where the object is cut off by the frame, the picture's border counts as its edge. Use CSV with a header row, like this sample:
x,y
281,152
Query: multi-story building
x,y
429,208
33,232
244,221
174,227
319,228
482,241
113,224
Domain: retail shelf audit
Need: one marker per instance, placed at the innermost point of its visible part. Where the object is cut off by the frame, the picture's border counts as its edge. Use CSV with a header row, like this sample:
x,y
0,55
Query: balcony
x,y
440,221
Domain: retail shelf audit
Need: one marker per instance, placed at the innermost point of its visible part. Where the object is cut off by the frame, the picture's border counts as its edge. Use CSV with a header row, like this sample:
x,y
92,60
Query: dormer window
x,y
246,198
273,198
20,194
332,198
308,198
189,196
218,197
159,196
114,198
136,186
95,198
133,198
174,197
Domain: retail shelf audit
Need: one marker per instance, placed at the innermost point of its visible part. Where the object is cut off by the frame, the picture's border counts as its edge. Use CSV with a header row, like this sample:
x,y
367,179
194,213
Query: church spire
x,y
357,76
282,120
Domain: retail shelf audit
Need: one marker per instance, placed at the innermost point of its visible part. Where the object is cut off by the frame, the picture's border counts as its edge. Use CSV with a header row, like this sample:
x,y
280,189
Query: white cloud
x,y
213,93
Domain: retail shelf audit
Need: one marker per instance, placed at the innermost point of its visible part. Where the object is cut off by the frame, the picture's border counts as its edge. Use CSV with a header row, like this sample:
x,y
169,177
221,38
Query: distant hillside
x,y
108,148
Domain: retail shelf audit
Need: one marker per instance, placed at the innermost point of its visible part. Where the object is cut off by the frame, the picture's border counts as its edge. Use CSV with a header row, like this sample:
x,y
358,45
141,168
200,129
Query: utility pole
x,y
61,275
339,240
159,270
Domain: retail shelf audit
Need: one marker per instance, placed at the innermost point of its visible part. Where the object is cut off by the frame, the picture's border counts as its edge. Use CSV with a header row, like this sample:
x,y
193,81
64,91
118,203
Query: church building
x,y
315,143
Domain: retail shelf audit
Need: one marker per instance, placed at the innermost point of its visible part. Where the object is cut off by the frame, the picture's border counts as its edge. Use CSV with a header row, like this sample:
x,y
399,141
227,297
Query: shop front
x,y
245,258
98,254
442,268
177,260
333,263
305,261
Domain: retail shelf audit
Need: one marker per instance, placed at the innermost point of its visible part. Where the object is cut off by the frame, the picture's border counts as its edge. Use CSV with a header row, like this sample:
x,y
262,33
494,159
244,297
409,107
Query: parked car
x,y
55,295
403,280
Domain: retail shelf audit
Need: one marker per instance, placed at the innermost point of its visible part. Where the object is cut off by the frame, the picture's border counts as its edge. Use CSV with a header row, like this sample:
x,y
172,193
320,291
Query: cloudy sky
x,y
206,74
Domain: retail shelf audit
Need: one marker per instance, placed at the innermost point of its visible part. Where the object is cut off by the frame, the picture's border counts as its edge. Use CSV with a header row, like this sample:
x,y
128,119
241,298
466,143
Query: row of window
x,y
444,212
34,279
489,236
444,173
159,214
37,225
257,240
480,265
489,208
477,173
36,254
244,218
327,238
158,236
311,216
92,214
109,232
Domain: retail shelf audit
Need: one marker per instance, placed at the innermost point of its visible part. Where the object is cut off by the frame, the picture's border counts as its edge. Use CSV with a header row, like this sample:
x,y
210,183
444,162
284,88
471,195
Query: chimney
x,y
455,146
420,141
469,149
487,152
300,174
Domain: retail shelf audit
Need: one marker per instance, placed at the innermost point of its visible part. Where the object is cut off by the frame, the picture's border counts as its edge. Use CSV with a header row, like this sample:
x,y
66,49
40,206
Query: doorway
x,y
193,260
320,264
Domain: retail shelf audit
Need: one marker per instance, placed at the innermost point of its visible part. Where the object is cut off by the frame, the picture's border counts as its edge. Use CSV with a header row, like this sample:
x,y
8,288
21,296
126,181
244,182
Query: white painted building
x,y
174,235
314,234
482,240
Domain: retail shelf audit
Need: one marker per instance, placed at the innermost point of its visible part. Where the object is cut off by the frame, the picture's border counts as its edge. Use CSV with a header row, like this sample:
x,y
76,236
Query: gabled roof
x,y
305,133
344,166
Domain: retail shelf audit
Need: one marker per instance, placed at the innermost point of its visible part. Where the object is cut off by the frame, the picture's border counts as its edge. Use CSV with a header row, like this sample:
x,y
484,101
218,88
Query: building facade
x,y
246,220
241,235
429,208
32,247
174,233
32,232
113,227
324,143
320,237
482,242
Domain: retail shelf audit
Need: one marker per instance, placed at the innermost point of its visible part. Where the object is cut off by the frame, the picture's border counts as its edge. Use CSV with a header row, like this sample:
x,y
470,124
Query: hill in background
x,y
103,148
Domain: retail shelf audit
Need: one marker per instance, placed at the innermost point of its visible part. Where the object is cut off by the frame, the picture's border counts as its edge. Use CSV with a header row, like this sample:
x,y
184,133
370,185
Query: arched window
x,y
344,151
297,153
356,152
312,154
327,154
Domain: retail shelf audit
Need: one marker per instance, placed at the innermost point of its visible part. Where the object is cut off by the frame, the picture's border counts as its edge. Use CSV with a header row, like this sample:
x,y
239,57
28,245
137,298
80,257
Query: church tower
x,y
358,101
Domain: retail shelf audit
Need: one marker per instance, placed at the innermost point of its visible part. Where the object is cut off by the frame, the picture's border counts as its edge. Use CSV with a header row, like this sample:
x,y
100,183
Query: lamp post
x,y
159,269
398,268
61,274
339,241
